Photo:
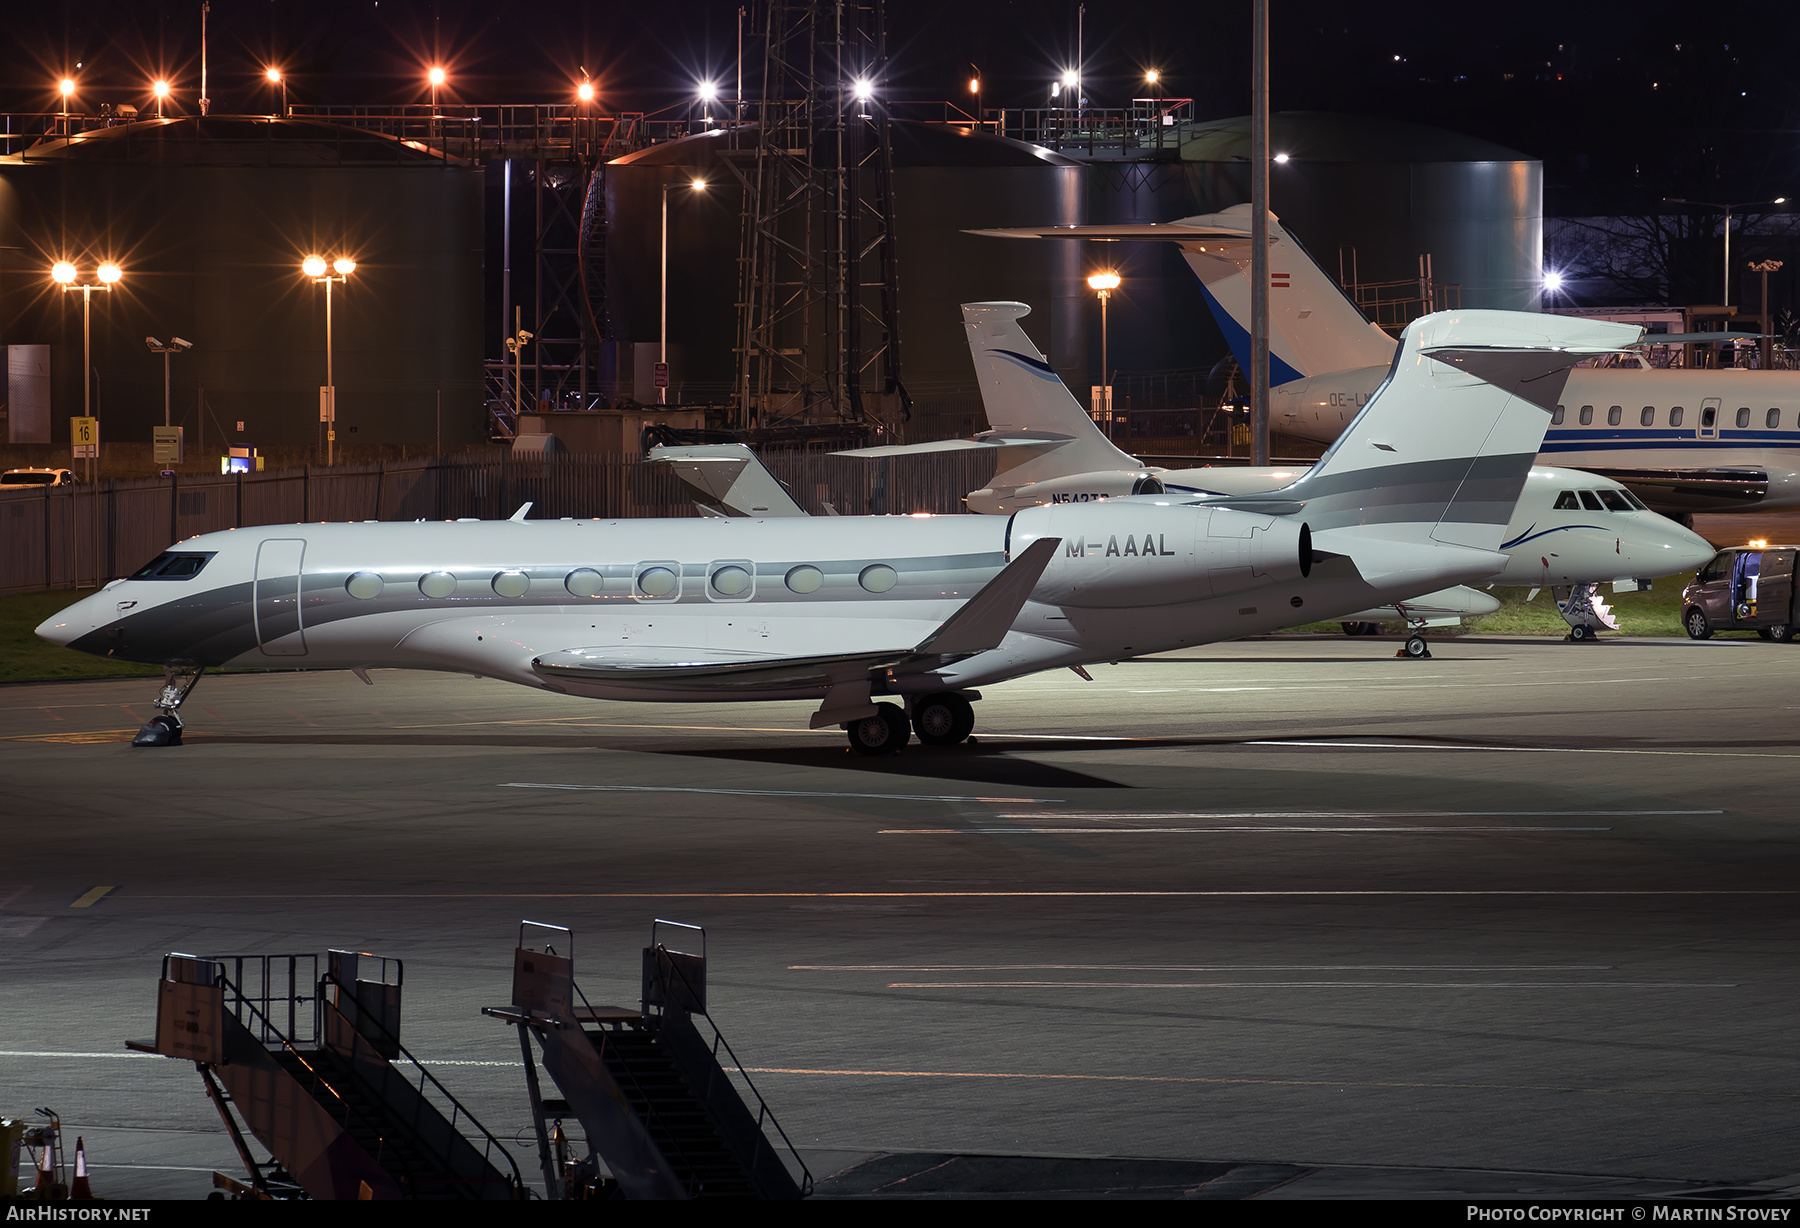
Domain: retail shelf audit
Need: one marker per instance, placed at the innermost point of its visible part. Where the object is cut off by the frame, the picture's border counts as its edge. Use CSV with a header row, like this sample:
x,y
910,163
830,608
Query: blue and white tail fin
x,y
1441,452
1313,328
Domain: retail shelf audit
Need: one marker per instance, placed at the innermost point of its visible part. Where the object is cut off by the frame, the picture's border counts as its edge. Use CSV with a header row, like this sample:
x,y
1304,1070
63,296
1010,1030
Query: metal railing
x,y
764,1113
457,1112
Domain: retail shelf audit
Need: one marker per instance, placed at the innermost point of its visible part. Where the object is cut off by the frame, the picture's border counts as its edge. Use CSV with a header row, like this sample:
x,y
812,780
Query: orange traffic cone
x,y
80,1190
45,1189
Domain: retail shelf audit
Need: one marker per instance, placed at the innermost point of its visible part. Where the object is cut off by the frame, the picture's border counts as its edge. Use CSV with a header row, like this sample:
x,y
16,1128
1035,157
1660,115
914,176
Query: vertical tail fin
x,y
1023,395
1443,448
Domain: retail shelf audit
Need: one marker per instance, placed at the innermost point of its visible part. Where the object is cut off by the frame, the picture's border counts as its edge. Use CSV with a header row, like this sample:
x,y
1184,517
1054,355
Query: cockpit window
x,y
173,565
1589,502
1567,502
1636,502
1615,502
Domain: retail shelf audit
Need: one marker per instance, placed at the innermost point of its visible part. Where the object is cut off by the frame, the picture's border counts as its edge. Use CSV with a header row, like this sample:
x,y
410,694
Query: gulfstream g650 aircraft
x,y
1685,441
839,610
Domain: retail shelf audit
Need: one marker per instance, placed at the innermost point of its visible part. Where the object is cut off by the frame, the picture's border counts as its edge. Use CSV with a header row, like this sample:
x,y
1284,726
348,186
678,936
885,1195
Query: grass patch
x,y
26,658
1657,612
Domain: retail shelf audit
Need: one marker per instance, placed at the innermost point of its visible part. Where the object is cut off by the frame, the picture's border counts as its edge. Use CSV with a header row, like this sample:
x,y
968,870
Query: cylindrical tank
x,y
209,220
947,179
1385,190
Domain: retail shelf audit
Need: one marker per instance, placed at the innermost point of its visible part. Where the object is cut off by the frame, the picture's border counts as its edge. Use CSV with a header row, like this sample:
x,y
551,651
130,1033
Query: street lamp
x,y
662,350
515,345
161,90
314,267
1765,267
436,76
176,346
1711,204
273,76
1104,283
64,274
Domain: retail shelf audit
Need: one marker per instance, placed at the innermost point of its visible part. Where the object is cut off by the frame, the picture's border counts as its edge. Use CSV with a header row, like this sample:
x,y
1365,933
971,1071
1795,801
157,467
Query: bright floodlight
x,y
313,266
1281,158
708,91
1152,77
62,272
161,88
975,85
585,91
109,273
274,76
66,86
1069,79
1779,200
436,75
344,265
863,88
1106,279
1553,282
699,185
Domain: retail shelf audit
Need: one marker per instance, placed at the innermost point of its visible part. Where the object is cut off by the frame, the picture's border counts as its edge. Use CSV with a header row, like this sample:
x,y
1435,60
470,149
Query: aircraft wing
x,y
1195,229
1691,490
979,625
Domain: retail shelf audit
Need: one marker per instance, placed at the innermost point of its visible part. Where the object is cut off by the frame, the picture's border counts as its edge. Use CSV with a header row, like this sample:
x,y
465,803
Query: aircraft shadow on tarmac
x,y
987,764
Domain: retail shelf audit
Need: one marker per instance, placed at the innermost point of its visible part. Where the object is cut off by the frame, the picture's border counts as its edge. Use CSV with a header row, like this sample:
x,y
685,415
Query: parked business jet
x,y
1569,530
1685,441
1415,495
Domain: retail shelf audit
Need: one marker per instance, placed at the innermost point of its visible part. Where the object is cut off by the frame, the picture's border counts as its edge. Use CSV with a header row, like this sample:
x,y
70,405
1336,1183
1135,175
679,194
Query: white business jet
x,y
1686,441
840,610
1569,530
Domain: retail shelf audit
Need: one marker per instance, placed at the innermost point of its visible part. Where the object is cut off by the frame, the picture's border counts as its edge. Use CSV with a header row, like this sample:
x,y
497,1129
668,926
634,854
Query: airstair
x,y
312,1067
656,1088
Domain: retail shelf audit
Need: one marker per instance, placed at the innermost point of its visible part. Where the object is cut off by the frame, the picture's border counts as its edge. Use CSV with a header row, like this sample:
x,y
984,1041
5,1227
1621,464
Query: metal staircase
x,y
657,1094
307,1065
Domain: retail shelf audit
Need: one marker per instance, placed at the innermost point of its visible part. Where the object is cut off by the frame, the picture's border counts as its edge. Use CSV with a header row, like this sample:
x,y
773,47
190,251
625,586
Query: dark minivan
x,y
1744,588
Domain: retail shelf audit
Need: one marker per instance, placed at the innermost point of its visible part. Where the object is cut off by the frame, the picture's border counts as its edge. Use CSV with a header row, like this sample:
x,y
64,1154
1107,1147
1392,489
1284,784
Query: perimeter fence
x,y
84,535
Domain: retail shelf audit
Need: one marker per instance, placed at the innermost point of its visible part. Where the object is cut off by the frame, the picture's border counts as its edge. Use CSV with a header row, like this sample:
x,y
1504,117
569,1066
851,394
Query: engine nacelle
x,y
1142,553
1076,488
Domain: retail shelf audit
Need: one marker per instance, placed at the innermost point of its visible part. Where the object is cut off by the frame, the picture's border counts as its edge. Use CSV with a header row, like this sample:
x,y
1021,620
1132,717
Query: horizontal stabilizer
x,y
1043,441
728,477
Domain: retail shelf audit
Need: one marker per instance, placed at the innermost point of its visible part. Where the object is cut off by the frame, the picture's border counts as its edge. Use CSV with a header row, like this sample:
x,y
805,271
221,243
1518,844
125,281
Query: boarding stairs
x,y
312,1067
1585,610
656,1088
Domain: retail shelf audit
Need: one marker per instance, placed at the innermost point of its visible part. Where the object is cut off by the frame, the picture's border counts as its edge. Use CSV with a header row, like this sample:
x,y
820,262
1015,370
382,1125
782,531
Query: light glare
x,y
109,273
62,272
66,87
1152,77
437,75
1106,279
344,265
585,91
1553,282
862,88
313,266
1069,79
274,76
162,89
708,91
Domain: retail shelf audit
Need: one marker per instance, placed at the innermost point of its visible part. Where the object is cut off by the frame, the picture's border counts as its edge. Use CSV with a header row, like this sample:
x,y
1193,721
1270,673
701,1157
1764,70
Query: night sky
x,y
1624,106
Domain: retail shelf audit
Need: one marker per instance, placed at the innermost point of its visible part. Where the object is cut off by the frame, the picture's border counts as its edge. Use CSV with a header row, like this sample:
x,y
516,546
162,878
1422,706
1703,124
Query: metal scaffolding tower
x,y
818,338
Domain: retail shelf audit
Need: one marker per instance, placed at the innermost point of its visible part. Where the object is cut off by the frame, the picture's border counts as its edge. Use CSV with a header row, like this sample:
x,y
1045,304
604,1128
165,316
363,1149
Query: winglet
x,y
985,618
518,517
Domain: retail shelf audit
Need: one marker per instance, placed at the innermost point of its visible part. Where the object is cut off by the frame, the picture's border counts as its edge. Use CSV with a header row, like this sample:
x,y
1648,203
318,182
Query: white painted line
x,y
895,797
1207,831
1312,985
1200,967
1542,750
1151,816
64,1053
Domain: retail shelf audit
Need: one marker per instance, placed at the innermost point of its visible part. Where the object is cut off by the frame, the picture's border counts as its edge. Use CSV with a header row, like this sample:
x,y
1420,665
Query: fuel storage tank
x,y
209,219
947,178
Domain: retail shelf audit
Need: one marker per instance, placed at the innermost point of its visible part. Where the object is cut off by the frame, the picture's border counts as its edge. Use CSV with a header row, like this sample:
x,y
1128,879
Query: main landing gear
x,y
164,729
944,719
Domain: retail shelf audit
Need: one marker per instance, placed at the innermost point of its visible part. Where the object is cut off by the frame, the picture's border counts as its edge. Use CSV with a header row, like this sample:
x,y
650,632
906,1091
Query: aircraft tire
x,y
885,733
1695,622
158,731
943,720
1416,647
1581,633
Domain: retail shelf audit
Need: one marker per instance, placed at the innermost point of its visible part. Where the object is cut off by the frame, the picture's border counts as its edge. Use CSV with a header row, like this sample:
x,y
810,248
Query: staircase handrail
x,y
764,1112
365,1017
269,1029
649,1104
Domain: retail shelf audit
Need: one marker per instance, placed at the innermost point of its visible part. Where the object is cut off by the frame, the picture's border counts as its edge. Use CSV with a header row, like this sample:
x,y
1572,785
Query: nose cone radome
x,y
73,622
1686,550
58,628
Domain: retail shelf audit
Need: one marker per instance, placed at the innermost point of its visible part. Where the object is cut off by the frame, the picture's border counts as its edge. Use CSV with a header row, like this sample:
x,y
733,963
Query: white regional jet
x,y
838,610
1570,531
1686,441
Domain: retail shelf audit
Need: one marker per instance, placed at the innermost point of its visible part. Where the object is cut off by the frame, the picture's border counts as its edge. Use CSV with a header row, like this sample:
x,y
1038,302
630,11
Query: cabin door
x,y
277,598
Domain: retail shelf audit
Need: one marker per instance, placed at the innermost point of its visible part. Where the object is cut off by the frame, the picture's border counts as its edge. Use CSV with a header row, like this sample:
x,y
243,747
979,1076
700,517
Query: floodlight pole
x,y
1259,234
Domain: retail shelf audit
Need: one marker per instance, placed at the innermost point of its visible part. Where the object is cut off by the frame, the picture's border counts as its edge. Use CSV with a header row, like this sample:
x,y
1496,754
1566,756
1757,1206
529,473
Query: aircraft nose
x,y
72,622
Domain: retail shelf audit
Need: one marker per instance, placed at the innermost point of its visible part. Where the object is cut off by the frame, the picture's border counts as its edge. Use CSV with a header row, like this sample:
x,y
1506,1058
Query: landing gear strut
x,y
164,729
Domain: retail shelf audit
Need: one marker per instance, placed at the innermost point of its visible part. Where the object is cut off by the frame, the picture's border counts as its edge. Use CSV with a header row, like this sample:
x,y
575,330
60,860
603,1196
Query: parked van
x,y
1744,588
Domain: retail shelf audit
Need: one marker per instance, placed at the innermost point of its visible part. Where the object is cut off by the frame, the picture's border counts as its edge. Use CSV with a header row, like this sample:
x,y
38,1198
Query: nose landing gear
x,y
164,729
